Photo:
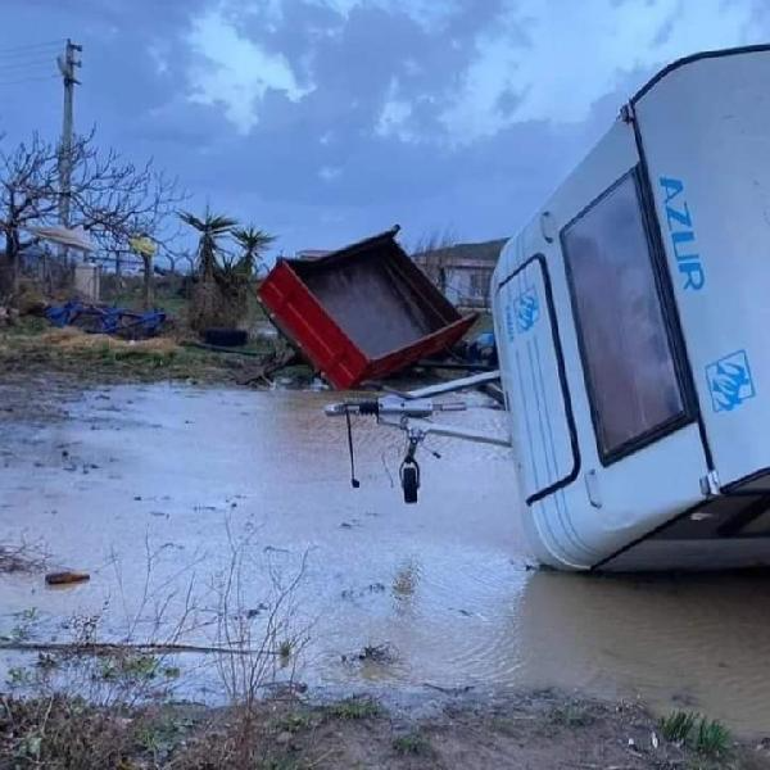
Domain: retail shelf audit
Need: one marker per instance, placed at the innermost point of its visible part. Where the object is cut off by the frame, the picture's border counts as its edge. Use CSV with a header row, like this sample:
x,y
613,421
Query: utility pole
x,y
67,65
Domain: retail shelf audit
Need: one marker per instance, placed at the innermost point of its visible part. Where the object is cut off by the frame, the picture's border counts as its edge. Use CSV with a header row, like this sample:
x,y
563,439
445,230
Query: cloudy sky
x,y
324,121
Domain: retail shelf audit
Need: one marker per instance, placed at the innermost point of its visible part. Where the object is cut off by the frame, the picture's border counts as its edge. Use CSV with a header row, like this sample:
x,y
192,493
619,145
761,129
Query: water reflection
x,y
701,641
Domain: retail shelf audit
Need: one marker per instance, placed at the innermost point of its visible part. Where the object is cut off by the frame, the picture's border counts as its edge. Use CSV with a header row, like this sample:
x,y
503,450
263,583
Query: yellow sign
x,y
141,244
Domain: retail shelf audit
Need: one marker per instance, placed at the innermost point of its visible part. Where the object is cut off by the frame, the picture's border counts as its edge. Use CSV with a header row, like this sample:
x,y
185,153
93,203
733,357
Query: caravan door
x,y
543,426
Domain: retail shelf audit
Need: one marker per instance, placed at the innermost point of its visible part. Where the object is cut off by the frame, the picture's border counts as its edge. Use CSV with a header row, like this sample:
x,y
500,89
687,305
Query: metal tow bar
x,y
409,415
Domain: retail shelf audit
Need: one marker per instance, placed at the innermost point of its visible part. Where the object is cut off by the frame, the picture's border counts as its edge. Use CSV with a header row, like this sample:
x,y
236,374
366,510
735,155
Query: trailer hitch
x,y
410,415
385,410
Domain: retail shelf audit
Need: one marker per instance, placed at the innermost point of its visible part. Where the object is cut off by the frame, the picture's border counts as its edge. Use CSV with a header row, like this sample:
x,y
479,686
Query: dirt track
x,y
540,731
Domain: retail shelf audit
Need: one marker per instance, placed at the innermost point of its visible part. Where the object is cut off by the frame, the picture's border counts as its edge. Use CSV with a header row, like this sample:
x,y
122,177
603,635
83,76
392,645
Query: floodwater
x,y
149,488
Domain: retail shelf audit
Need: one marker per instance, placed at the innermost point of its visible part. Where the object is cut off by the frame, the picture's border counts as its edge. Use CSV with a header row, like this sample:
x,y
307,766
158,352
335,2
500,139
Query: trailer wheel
x,y
410,482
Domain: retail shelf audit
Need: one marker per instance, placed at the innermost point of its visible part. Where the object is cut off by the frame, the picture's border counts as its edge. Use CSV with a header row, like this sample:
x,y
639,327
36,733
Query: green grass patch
x,y
412,745
296,722
709,738
285,650
160,736
133,300
678,726
28,326
571,715
355,708
132,667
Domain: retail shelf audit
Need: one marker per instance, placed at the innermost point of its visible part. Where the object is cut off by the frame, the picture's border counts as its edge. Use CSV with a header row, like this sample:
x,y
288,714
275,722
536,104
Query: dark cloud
x,y
318,168
508,101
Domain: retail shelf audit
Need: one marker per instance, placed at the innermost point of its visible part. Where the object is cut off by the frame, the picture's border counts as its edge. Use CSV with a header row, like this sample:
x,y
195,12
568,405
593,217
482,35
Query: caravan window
x,y
628,362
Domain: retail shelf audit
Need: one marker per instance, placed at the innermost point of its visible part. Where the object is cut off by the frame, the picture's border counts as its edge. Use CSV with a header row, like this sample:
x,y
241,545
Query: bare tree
x,y
434,241
432,249
190,258
28,193
112,199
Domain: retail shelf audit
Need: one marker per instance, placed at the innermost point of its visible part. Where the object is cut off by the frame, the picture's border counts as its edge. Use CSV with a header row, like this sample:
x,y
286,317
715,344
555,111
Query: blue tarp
x,y
106,320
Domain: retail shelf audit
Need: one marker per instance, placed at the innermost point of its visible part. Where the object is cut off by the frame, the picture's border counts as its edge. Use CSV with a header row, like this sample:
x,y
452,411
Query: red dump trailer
x,y
361,313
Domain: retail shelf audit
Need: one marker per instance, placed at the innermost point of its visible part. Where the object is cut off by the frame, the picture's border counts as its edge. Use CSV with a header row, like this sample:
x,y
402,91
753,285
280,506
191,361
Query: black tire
x,y
410,481
226,338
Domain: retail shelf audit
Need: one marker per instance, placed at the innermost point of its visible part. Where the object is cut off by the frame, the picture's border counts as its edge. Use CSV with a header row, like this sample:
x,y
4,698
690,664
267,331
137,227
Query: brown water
x,y
445,584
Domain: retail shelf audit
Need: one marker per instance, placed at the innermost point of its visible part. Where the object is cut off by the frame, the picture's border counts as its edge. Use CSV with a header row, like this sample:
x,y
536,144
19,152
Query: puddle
x,y
438,593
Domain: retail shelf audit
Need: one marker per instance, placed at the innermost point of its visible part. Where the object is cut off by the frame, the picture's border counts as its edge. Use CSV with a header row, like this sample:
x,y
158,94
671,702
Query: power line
x,y
31,58
28,80
25,65
14,51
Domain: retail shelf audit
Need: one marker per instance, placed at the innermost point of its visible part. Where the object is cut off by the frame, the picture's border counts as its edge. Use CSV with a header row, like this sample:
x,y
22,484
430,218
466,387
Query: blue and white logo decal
x,y
527,310
730,382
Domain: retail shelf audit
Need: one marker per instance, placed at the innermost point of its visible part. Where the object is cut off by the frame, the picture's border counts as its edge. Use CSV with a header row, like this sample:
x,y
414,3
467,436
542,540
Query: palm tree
x,y
253,242
211,227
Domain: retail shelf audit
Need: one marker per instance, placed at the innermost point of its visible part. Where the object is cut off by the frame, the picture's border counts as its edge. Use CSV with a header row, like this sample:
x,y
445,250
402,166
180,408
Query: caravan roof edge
x,y
685,60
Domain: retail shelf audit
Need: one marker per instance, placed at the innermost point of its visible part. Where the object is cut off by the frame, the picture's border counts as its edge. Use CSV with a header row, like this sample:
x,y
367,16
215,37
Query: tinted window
x,y
632,381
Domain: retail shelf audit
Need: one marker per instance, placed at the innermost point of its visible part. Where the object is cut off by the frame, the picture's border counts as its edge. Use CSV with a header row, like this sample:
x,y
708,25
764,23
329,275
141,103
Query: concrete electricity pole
x,y
67,64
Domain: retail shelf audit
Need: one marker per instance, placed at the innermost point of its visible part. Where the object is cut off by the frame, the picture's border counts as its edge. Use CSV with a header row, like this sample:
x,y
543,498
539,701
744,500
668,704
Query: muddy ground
x,y
527,732
444,727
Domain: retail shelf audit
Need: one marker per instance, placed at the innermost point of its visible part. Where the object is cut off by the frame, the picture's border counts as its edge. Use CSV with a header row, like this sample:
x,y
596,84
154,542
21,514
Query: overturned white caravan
x,y
632,318
633,324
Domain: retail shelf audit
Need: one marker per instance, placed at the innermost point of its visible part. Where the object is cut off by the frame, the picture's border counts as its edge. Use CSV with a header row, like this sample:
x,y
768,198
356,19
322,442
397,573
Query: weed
x,y
46,661
678,726
380,654
271,641
294,723
712,739
59,733
26,620
571,715
160,737
709,738
103,726
18,677
281,763
412,744
355,708
29,326
140,666
133,667
21,557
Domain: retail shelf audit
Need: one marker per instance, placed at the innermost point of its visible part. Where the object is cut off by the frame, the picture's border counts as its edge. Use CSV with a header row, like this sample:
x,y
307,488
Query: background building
x,y
463,272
